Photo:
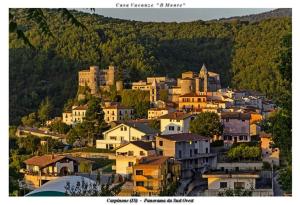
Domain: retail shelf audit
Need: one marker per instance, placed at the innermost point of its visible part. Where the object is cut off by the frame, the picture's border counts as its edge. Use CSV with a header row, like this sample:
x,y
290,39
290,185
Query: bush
x,y
217,143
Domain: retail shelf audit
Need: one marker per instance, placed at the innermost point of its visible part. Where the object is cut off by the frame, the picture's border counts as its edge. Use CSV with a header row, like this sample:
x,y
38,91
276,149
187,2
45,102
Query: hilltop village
x,y
198,138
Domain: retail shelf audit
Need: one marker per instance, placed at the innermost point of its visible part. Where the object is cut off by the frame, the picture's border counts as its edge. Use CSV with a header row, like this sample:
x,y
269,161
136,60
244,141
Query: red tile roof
x,y
81,107
43,161
152,160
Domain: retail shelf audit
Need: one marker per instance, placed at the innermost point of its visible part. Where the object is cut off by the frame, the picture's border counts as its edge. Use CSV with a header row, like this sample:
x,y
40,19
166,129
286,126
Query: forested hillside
x,y
247,55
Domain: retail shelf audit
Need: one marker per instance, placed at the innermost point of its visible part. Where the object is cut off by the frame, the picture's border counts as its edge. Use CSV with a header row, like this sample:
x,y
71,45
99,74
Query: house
x,y
128,154
236,127
192,150
192,101
76,115
67,117
256,182
269,153
125,132
41,169
152,174
154,113
176,122
117,112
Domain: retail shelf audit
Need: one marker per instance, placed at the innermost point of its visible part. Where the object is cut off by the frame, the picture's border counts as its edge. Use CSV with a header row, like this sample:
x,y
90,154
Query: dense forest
x,y
246,54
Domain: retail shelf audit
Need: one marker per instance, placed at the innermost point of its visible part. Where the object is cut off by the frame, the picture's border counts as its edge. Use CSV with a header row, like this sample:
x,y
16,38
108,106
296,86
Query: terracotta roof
x,y
235,115
81,107
192,95
157,109
141,144
117,107
184,137
43,161
153,160
176,115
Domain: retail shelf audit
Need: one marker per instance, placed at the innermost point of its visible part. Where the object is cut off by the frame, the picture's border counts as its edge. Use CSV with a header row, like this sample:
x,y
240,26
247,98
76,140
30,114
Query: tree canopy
x,y
207,124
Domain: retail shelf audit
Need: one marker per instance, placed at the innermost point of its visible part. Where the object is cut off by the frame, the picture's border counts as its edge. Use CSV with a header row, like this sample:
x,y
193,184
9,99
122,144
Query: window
x,y
139,172
161,143
121,128
113,138
245,138
178,128
223,184
237,169
139,183
191,153
125,128
171,128
239,185
240,138
195,151
130,153
130,164
206,150
142,153
179,154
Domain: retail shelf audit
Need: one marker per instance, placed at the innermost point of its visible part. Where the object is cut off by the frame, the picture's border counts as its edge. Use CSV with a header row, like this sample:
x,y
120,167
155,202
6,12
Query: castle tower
x,y
93,79
204,75
111,75
154,92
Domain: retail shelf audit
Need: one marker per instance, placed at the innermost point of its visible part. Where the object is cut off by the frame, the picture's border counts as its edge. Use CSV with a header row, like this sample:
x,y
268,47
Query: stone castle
x,y
99,79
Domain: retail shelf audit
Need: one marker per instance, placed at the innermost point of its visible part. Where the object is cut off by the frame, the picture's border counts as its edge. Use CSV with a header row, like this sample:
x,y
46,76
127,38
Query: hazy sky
x,y
178,15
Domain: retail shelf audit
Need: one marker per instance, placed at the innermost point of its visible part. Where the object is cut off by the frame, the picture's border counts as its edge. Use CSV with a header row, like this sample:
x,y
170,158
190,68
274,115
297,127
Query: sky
x,y
177,15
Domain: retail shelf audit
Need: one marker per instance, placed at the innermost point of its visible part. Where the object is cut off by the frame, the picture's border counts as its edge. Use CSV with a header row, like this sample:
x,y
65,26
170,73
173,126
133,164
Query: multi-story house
x,y
125,132
255,182
175,122
192,101
117,113
236,127
154,113
153,174
76,115
128,154
192,150
41,169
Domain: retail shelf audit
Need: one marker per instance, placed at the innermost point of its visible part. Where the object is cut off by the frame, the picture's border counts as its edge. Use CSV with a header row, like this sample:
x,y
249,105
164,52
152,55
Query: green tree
x,y
60,127
285,179
30,143
155,124
206,124
137,99
45,110
31,120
